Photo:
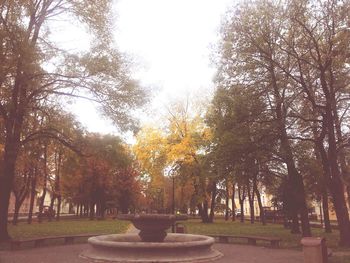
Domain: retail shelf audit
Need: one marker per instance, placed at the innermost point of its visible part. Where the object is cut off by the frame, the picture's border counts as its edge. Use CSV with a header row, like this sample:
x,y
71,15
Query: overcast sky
x,y
170,42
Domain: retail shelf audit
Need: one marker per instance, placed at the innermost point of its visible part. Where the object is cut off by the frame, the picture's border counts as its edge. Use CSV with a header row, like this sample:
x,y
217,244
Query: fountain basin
x,y
130,248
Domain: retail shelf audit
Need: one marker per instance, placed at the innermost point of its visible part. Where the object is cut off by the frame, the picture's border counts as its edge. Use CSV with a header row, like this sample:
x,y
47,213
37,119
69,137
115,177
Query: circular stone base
x,y
129,248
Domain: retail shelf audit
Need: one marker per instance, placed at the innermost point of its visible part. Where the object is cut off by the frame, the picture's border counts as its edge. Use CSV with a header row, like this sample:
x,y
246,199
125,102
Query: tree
x,y
127,188
188,141
296,55
311,167
248,54
179,148
322,75
244,139
28,83
21,185
103,175
150,151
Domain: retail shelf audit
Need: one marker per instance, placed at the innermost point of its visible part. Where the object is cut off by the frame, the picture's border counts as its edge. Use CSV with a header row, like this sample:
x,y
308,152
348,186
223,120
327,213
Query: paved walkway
x,y
232,253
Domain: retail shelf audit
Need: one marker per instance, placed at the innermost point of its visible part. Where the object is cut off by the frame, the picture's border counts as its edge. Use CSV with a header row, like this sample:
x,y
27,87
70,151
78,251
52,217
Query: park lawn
x,y
67,227
289,240
339,259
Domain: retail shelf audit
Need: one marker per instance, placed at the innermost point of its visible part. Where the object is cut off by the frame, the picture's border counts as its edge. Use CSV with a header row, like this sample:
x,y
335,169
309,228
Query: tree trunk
x,y
98,209
250,193
336,187
15,215
58,163
52,202
295,224
241,203
261,208
233,202
58,213
70,207
295,179
41,205
20,196
203,209
86,209
327,222
241,196
322,158
42,198
213,203
81,210
92,211
32,196
6,179
297,195
227,198
344,167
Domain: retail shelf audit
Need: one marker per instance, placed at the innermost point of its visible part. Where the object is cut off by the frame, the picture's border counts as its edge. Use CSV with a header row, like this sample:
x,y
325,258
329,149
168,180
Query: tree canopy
x,y
36,75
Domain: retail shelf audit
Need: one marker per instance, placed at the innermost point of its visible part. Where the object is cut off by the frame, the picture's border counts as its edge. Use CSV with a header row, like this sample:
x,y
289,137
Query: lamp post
x,y
173,204
159,201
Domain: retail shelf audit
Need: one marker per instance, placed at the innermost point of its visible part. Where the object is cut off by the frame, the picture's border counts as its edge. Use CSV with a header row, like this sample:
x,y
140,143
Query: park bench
x,y
274,241
68,239
180,228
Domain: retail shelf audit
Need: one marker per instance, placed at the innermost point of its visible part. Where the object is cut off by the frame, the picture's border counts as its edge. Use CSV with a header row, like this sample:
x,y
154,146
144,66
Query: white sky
x,y
170,41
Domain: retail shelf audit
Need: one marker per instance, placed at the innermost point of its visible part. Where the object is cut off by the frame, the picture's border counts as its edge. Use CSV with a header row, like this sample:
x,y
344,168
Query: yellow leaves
x,y
181,141
183,150
177,149
187,138
207,134
150,153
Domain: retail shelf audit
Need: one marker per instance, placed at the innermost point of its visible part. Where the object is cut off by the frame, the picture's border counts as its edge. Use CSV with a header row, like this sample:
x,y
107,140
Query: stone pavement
x,y
232,253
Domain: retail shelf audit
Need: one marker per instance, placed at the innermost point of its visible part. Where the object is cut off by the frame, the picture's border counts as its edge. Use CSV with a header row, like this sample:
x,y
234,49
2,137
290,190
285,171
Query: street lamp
x,y
171,174
173,205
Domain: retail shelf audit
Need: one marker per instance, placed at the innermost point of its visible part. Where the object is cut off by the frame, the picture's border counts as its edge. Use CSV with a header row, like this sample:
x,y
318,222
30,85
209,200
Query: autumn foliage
x,y
104,177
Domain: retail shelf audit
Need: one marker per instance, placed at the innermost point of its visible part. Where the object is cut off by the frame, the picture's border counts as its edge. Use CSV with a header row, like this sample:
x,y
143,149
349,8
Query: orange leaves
x,y
104,172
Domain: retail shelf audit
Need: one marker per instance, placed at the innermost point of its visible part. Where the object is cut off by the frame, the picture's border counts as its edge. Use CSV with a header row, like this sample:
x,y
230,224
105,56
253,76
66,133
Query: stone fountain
x,y
152,244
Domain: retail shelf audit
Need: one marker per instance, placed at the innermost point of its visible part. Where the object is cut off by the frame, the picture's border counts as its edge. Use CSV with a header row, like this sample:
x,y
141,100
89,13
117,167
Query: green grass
x,y
339,259
109,226
271,230
67,227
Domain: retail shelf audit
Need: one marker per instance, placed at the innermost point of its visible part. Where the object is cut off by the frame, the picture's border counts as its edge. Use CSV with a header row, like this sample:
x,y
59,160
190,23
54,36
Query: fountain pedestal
x,y
152,226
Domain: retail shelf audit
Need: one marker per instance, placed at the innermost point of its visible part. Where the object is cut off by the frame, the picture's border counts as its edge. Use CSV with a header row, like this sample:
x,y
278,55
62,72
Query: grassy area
x,y
67,227
289,241
339,259
236,228
85,226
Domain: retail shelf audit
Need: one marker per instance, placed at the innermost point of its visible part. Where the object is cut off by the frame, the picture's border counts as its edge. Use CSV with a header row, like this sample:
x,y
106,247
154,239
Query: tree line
x,y
279,118
292,59
37,80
